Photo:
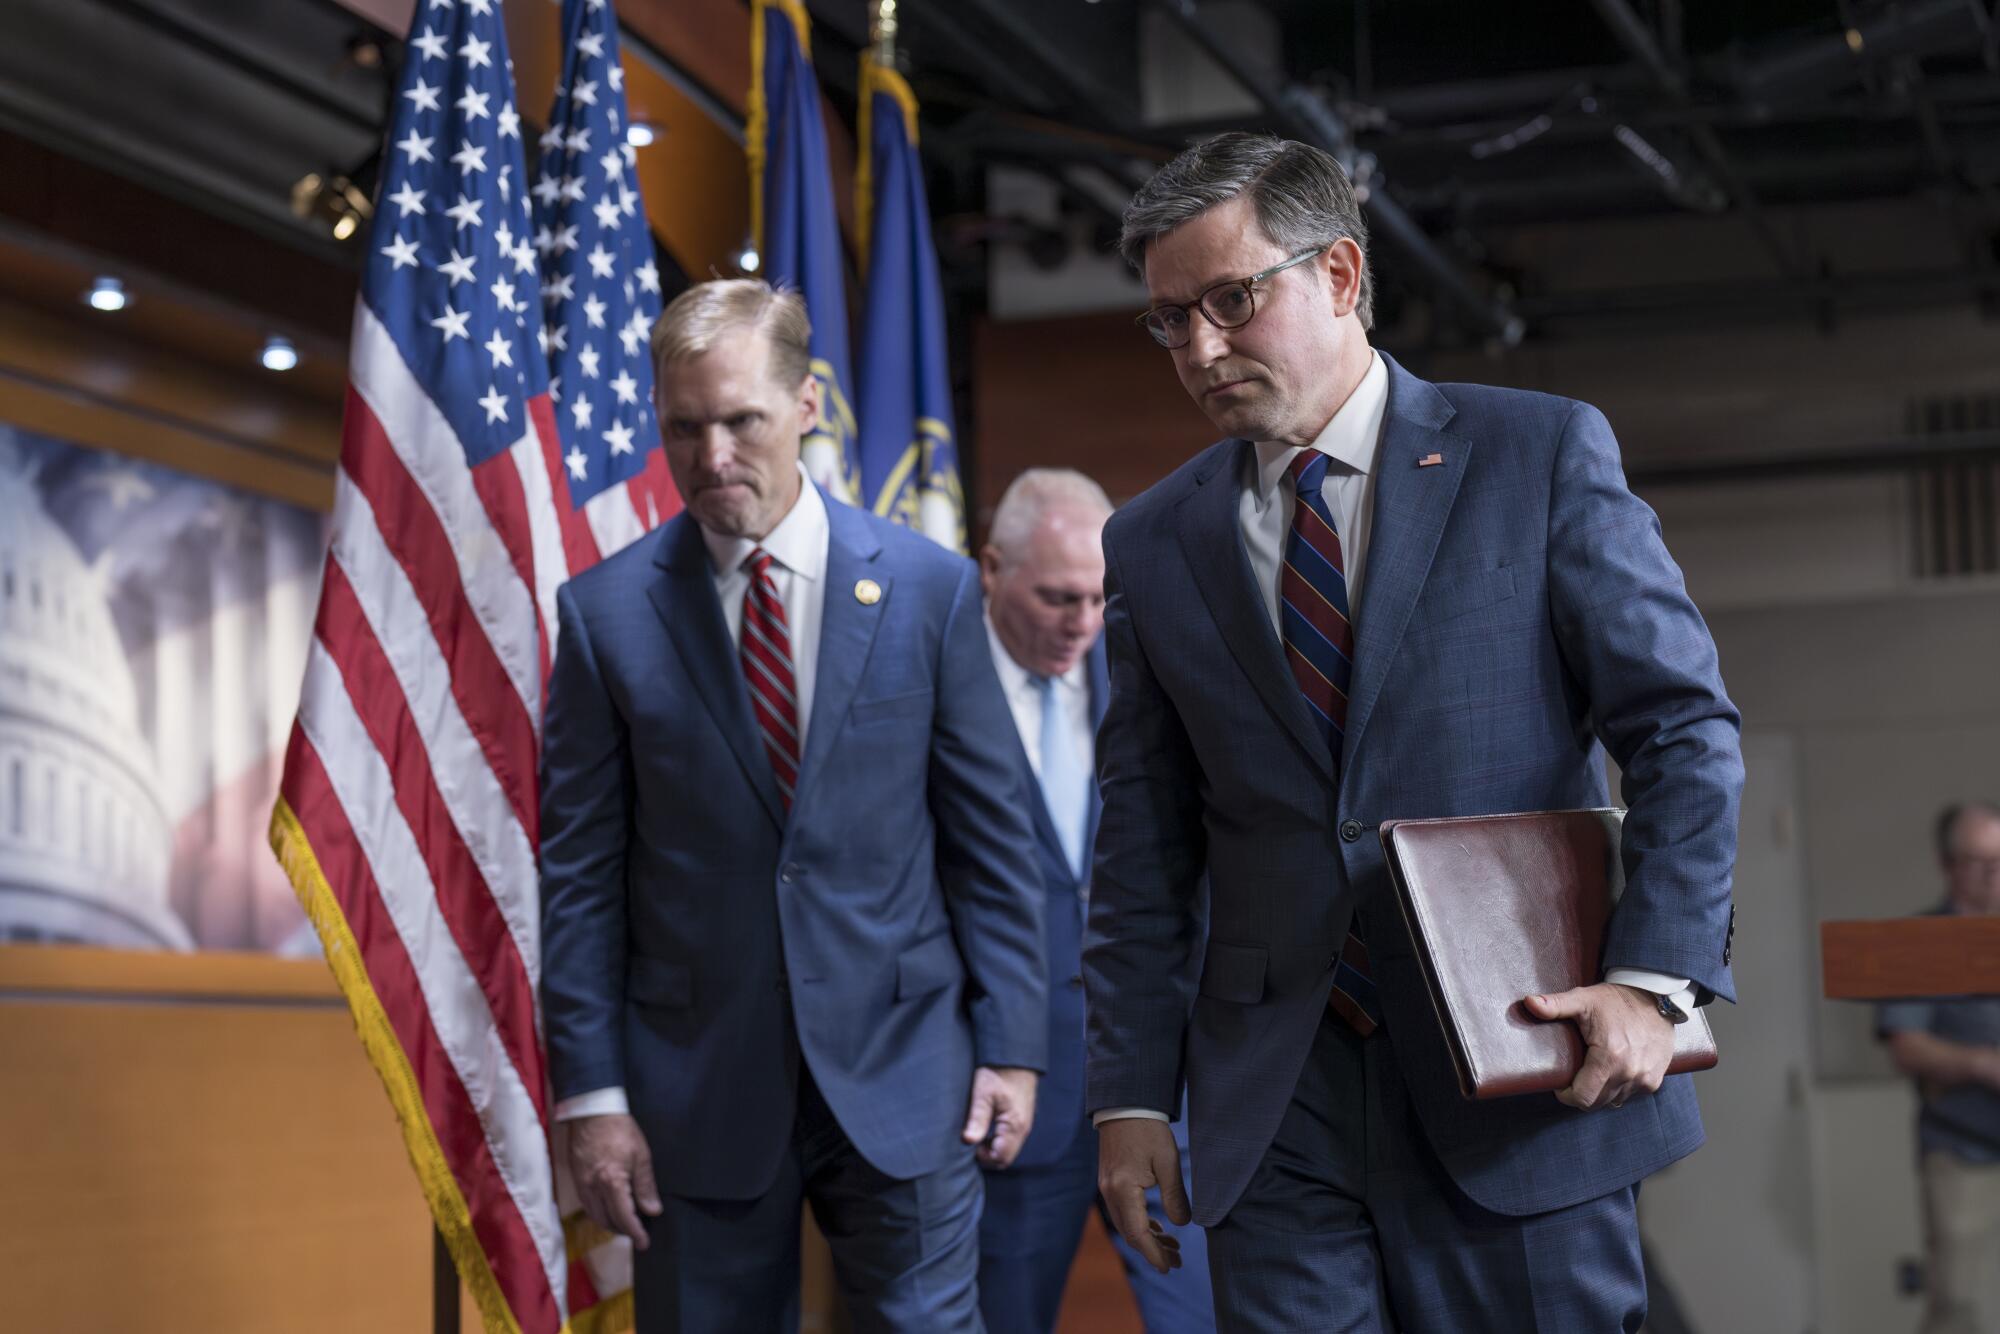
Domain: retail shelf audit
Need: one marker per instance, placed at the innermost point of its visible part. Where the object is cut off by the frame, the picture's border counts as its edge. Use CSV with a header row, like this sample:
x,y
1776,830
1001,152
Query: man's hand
x,y
1133,1154
1628,1042
1002,1113
1986,1067
613,1170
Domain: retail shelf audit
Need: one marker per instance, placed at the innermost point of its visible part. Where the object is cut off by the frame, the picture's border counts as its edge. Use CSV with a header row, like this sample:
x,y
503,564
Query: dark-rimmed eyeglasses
x,y
1226,305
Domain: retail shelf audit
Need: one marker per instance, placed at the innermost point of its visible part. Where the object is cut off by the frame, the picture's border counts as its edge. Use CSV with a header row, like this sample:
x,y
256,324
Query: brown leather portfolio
x,y
1503,907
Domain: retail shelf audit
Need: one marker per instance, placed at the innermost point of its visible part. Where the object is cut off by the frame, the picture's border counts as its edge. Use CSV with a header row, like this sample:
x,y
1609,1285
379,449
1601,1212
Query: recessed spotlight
x,y
106,293
640,134
279,355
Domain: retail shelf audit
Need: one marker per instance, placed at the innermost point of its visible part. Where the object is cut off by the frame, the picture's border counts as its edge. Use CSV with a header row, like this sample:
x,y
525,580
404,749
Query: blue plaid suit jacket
x,y
1520,611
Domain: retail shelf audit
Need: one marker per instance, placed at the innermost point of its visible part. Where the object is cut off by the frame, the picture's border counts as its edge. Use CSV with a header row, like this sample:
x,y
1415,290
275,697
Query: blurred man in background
x,y
1951,1048
1042,570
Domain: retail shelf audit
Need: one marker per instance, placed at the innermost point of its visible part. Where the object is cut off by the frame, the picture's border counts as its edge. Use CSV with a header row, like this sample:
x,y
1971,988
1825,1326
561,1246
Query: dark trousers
x,y
906,1253
1028,1238
1351,1226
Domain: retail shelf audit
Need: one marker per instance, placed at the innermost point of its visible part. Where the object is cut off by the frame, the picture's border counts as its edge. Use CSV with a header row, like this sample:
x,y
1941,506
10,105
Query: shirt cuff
x,y
598,1102
1126,1114
1676,989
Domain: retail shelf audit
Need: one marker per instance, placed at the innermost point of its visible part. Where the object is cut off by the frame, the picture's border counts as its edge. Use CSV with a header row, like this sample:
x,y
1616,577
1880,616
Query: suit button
x,y
1076,979
1350,831
789,873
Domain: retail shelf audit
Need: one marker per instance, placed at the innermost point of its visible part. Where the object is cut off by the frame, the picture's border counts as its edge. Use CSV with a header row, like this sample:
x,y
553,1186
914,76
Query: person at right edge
x,y
1951,1047
1379,598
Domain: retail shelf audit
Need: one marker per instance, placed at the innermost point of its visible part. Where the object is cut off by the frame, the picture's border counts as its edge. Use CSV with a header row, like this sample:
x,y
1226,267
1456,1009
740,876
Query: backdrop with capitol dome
x,y
153,629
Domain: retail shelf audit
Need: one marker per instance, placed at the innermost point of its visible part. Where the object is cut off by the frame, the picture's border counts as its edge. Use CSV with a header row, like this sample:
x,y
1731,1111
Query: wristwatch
x,y
1669,1011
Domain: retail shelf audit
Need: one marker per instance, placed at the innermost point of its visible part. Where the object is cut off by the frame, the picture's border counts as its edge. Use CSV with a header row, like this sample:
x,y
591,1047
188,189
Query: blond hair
x,y
696,320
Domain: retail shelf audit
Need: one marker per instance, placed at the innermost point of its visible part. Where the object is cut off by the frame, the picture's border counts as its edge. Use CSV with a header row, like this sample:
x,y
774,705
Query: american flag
x,y
601,287
406,817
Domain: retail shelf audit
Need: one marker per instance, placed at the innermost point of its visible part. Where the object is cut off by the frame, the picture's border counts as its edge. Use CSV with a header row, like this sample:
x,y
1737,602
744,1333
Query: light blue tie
x,y
1063,778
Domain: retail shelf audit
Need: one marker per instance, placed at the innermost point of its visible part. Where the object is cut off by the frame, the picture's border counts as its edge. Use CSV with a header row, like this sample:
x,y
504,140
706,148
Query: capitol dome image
x,y
85,841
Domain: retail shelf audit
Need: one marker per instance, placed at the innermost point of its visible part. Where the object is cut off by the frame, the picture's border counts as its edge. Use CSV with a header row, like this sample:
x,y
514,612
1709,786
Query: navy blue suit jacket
x,y
697,941
1059,1099
1519,608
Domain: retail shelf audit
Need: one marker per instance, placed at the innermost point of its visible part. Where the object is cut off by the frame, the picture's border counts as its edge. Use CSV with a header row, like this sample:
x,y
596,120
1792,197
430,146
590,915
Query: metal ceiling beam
x,y
1074,84
966,52
1820,64
311,93
1638,39
1306,115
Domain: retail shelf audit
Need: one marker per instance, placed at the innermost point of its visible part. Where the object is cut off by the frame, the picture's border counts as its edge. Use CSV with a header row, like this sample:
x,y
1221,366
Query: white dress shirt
x,y
1072,692
798,567
1351,440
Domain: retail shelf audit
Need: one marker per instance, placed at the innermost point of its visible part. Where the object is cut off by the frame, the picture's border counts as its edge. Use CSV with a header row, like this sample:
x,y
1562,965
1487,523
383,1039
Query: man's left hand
x,y
1002,1113
1628,1042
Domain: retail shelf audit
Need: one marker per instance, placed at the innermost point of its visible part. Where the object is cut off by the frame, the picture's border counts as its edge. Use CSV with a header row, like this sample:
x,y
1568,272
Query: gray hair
x,y
1302,199
1948,821
1030,496
696,320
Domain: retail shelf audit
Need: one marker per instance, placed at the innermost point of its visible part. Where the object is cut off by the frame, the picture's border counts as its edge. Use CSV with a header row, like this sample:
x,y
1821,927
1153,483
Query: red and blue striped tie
x,y
767,667
1319,647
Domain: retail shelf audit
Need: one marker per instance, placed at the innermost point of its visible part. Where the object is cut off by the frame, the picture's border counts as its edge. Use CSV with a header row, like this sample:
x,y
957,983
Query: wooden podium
x,y
1910,956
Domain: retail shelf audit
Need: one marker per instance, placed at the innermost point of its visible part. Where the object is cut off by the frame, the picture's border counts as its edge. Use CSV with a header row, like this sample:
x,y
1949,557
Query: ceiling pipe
x,y
1638,39
1817,65
1305,115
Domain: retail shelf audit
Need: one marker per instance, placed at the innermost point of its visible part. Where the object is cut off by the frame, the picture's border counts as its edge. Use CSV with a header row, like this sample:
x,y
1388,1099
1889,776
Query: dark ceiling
x,y
1475,126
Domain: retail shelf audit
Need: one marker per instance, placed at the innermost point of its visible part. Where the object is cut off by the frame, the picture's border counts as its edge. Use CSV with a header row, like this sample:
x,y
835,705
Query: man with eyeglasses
x,y
1952,1049
1379,598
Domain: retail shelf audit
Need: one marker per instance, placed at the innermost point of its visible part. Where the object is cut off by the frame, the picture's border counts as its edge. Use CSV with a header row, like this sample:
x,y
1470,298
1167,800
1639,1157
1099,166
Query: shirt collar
x,y
1350,438
1014,678
798,543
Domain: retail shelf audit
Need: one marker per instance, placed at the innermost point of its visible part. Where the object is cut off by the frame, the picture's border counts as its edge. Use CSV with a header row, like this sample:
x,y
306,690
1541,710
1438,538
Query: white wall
x,y
1870,700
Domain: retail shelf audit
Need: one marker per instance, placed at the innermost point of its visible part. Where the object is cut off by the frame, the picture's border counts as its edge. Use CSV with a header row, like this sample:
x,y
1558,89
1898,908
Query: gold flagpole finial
x,y
884,33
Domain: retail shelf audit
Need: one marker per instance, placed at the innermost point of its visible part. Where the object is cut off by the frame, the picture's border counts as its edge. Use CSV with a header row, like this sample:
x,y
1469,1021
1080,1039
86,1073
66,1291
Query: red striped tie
x,y
767,667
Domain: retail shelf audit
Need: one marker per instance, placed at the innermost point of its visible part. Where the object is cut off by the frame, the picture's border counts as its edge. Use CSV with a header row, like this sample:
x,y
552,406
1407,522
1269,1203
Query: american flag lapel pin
x,y
1430,460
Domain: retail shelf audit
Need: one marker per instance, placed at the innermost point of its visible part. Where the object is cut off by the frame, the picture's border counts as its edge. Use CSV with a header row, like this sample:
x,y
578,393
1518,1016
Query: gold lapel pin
x,y
868,592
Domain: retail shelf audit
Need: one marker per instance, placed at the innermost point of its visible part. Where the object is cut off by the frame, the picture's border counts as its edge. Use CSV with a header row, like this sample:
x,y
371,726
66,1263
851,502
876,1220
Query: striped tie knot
x,y
1308,473
758,563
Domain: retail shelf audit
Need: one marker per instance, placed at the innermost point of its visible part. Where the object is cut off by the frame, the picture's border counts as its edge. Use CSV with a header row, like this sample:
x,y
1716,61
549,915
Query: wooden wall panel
x,y
196,1145
1090,392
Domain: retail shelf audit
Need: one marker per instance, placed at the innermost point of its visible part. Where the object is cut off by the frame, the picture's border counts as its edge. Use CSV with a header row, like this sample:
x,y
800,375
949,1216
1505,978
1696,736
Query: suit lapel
x,y
1210,535
846,633
684,596
1100,699
1412,503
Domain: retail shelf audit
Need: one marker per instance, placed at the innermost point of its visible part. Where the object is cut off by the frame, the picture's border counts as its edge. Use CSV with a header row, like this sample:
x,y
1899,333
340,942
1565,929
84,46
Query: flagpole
x,y
444,1287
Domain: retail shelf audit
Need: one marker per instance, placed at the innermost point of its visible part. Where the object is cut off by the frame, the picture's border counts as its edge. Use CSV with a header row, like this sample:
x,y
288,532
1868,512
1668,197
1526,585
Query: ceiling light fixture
x,y
279,354
107,293
333,200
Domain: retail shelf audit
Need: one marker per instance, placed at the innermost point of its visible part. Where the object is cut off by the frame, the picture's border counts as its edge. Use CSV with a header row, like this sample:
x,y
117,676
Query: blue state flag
x,y
909,456
793,221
